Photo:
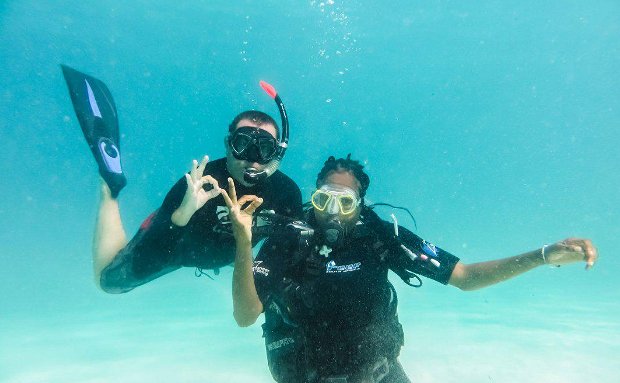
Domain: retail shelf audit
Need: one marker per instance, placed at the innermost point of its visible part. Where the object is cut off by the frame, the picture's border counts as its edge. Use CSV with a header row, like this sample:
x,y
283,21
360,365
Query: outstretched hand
x,y
571,250
195,195
240,217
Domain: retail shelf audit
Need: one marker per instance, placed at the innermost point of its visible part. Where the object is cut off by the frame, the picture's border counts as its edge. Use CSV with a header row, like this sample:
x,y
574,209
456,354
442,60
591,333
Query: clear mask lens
x,y
334,201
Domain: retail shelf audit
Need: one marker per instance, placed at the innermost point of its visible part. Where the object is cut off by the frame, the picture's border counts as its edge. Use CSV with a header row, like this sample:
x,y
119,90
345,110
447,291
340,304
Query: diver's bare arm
x,y
246,304
483,274
478,275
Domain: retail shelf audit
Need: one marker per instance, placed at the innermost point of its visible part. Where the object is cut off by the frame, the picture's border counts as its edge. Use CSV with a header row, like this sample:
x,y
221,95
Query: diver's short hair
x,y
254,115
344,164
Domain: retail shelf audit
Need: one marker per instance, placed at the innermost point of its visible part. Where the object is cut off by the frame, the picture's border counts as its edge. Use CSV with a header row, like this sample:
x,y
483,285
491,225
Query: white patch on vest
x,y
258,269
279,343
325,251
332,267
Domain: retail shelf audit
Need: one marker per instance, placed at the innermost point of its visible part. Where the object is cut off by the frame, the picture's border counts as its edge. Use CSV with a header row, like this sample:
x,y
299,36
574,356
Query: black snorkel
x,y
253,176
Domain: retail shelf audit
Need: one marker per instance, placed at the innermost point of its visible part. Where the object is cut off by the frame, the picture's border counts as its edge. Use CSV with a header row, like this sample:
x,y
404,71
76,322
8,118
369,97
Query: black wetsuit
x,y
333,313
160,247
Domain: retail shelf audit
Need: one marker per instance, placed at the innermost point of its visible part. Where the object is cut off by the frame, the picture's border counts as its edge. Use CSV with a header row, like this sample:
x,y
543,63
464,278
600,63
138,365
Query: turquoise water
x,y
497,124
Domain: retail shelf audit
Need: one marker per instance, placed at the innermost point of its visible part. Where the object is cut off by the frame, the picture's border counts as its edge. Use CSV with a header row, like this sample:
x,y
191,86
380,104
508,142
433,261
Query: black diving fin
x,y
96,112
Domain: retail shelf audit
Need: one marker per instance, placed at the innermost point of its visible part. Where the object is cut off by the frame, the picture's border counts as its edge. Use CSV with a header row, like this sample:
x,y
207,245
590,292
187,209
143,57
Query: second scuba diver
x,y
330,310
192,226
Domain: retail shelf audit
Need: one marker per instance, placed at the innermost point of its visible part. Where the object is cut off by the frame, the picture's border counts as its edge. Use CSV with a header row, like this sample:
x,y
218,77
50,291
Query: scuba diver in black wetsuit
x,y
330,311
191,228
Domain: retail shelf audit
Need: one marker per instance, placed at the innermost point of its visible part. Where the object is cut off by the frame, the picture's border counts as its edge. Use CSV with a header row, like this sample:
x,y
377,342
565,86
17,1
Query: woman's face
x,y
340,181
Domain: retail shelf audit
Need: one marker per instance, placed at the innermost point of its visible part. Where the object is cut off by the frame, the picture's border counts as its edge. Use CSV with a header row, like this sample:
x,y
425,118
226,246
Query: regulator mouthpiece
x,y
253,176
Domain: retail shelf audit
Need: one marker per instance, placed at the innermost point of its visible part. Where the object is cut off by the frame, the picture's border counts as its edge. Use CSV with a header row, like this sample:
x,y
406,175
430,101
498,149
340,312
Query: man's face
x,y
345,181
236,167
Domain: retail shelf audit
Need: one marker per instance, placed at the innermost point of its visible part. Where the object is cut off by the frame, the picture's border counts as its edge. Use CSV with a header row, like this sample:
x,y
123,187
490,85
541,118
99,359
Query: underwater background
x,y
497,123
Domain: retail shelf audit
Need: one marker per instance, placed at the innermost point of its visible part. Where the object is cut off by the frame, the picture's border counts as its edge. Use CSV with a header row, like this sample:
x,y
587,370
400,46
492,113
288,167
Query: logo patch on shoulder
x,y
429,248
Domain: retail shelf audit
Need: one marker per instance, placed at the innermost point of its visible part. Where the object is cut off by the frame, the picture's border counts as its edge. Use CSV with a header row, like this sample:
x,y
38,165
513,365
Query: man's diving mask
x,y
253,144
335,200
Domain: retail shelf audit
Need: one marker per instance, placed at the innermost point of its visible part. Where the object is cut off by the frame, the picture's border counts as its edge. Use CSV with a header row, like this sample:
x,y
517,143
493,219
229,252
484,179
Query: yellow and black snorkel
x,y
252,175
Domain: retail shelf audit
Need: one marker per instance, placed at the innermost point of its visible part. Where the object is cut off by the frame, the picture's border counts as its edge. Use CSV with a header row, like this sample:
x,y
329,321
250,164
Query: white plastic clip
x,y
395,224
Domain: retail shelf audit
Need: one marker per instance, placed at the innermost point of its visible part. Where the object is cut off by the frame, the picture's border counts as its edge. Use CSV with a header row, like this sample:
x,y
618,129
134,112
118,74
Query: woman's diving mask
x,y
334,200
336,205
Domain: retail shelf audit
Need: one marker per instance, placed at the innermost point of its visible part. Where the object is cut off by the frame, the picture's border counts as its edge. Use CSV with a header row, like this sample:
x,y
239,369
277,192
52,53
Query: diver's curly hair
x,y
344,164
